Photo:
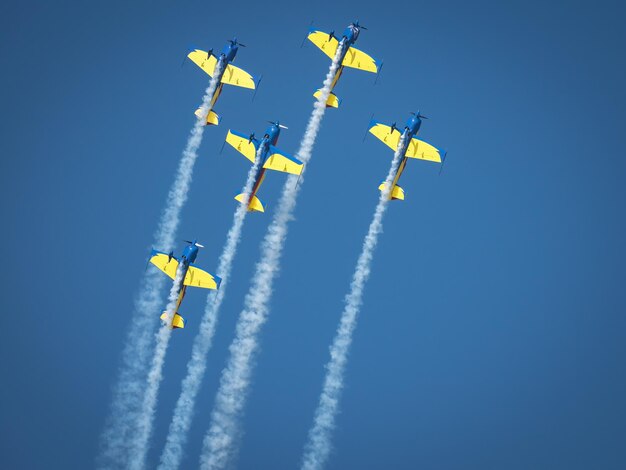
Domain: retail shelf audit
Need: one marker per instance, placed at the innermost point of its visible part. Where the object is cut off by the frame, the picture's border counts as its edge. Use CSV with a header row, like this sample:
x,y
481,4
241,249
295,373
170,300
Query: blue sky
x,y
492,334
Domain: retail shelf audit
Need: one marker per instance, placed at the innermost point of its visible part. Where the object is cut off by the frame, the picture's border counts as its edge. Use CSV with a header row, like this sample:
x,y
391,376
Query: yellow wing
x,y
242,144
164,263
327,44
383,133
423,151
203,60
360,60
238,77
196,277
281,161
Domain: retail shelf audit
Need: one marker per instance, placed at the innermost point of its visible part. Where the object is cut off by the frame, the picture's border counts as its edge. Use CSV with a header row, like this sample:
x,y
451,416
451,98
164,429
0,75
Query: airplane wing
x,y
164,263
203,60
325,42
197,277
242,144
360,60
238,77
384,134
281,161
423,151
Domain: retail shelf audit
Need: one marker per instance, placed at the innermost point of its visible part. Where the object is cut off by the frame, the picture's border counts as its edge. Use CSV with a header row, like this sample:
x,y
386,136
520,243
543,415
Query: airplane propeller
x,y
278,124
194,243
251,138
418,115
234,42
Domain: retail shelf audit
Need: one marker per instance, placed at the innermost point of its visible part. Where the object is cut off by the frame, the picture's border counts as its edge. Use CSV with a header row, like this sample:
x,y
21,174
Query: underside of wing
x,y
423,151
164,263
325,42
242,144
197,277
238,77
360,60
204,60
385,134
281,161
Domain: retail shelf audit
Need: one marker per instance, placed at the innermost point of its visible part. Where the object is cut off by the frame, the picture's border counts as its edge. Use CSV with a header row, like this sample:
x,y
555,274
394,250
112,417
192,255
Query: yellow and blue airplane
x,y
190,275
350,56
270,159
228,74
407,145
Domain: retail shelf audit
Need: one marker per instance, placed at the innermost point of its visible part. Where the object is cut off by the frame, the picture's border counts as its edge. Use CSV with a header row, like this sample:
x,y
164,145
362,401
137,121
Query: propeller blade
x,y
282,127
199,246
187,241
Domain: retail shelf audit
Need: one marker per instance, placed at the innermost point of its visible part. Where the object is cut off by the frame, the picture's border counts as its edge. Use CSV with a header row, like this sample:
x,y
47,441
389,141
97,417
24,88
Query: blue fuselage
x,y
189,256
263,153
348,38
411,129
226,56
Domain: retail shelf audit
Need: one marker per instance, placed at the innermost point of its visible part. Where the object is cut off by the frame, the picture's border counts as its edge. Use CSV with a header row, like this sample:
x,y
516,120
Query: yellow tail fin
x,y
331,102
212,119
396,193
254,204
178,322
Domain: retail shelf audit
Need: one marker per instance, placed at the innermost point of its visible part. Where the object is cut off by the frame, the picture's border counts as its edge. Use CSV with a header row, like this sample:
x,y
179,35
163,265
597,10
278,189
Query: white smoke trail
x,y
139,446
129,389
183,413
318,446
231,396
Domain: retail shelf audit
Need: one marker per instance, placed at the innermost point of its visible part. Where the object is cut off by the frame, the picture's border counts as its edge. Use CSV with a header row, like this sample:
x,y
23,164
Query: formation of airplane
x,y
270,158
349,56
227,73
407,145
189,275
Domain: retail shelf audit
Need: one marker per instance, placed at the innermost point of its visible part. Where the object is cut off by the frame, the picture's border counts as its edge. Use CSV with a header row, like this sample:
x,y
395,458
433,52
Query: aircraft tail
x,y
331,102
178,322
212,119
254,204
396,193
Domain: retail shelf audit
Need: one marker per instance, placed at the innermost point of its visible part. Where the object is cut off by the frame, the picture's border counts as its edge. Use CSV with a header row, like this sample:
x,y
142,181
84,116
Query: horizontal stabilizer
x,y
396,193
331,102
212,119
178,322
254,204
